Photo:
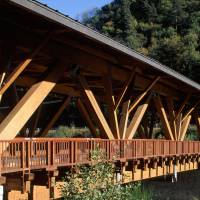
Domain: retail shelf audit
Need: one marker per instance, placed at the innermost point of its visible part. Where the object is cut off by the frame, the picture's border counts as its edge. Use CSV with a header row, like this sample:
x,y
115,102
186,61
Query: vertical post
x,y
48,154
53,152
72,152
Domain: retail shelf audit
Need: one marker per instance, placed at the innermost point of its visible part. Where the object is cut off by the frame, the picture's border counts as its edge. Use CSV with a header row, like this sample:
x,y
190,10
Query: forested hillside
x,y
167,30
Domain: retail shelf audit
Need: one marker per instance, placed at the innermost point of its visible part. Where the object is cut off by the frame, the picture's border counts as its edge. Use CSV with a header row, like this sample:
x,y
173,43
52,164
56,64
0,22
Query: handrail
x,y
42,153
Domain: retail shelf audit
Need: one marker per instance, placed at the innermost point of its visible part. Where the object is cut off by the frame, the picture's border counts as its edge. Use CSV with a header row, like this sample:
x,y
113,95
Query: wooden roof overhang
x,y
26,23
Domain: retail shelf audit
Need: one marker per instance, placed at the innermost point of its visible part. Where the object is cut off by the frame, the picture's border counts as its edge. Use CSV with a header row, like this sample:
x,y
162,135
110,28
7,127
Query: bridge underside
x,y
50,62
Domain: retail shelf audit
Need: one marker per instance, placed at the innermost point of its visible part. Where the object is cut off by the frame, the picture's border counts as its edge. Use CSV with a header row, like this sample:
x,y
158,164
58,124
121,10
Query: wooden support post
x,y
124,119
197,122
135,122
35,121
20,68
141,132
86,116
182,106
56,116
178,125
171,111
191,110
124,89
163,116
103,125
17,118
139,98
112,113
184,127
6,52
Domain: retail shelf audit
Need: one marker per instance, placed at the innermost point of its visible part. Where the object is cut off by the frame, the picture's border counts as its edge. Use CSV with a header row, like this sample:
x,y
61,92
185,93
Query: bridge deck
x,y
31,154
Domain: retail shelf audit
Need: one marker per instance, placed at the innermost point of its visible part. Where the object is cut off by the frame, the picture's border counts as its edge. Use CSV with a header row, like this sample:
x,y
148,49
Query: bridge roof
x,y
64,20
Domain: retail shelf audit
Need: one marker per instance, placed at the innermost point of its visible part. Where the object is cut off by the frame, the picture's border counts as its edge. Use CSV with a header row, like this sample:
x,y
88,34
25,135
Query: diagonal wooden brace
x,y
164,119
20,68
22,112
139,98
101,121
136,120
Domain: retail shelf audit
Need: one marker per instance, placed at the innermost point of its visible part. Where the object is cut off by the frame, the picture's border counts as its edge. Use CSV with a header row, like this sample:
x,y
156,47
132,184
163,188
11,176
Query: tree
x,y
167,30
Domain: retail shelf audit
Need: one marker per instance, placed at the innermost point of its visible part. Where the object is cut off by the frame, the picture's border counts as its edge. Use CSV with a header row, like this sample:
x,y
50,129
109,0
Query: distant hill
x,y
167,30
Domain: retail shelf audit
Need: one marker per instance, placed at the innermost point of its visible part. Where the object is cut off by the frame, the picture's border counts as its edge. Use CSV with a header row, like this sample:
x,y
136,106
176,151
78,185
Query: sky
x,y
74,8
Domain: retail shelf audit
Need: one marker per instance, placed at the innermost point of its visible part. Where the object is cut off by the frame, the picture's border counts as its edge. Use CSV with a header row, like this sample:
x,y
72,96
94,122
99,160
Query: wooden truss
x,y
118,125
25,108
175,123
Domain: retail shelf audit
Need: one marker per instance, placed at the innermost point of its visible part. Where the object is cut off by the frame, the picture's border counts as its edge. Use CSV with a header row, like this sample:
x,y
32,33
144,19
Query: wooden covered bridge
x,y
47,56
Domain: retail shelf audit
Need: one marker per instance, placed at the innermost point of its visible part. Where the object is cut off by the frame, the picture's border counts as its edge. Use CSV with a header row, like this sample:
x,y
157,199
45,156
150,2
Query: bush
x,y
95,182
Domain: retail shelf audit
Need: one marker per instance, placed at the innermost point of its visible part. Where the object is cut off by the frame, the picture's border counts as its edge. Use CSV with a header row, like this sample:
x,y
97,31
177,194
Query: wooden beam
x,y
179,125
17,118
112,113
35,121
163,116
97,111
141,132
56,116
137,118
125,88
124,119
20,68
58,89
197,122
86,117
170,105
185,126
139,98
182,105
191,110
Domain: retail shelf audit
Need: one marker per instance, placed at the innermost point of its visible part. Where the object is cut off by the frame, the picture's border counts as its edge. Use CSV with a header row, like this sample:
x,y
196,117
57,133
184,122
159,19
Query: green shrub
x,y
95,182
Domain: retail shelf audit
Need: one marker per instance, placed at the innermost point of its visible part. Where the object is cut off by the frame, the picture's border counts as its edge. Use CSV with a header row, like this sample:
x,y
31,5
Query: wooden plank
x,y
20,68
139,98
22,112
125,88
136,120
163,117
97,111
56,116
184,127
182,105
124,119
170,105
86,117
112,113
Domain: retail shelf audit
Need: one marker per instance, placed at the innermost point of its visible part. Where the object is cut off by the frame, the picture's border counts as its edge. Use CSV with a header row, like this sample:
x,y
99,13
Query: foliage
x,y
70,132
95,182
167,30
192,133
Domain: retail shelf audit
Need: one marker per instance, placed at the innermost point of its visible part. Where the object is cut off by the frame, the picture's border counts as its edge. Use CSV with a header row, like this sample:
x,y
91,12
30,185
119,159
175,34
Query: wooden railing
x,y
29,154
